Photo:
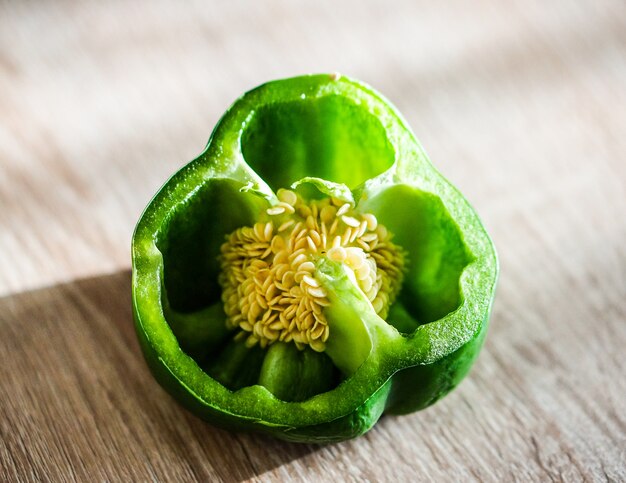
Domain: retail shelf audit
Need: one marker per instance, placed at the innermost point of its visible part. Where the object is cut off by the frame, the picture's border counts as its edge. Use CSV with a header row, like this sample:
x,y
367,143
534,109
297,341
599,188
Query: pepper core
x,y
270,288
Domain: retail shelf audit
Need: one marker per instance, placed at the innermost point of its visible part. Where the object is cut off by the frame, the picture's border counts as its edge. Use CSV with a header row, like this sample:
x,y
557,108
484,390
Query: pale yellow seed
x,y
276,210
255,311
317,345
343,210
267,233
301,245
317,292
277,244
285,225
276,325
276,300
287,196
297,253
281,270
311,244
270,293
308,320
362,228
299,260
337,254
355,257
290,312
270,334
363,272
333,227
262,301
287,207
326,334
327,214
345,238
251,341
299,234
310,281
350,221
354,235
315,236
366,284
371,220
323,302
369,237
317,331
259,228
363,245
289,280
307,266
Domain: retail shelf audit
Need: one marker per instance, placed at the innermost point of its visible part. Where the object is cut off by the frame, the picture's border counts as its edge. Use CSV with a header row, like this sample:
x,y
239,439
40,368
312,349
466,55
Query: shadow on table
x,y
79,385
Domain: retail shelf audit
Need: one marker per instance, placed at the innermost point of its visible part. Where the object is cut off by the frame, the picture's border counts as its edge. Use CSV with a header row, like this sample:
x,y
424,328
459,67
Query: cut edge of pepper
x,y
147,266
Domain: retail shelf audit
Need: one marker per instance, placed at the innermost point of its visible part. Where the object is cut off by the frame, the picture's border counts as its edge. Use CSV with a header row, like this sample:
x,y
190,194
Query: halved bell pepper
x,y
387,306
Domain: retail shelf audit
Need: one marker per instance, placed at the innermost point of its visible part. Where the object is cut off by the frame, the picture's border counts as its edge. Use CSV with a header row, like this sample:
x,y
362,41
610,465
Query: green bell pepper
x,y
310,270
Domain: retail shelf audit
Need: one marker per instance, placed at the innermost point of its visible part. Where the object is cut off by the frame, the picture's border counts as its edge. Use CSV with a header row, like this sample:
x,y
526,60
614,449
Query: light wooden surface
x,y
521,104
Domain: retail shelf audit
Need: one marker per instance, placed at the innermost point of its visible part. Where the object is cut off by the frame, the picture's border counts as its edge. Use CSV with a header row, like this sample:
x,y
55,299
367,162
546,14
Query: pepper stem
x,y
355,326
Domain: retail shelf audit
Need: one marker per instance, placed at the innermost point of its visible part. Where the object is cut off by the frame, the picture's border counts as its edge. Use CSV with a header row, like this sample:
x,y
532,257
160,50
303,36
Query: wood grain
x,y
522,105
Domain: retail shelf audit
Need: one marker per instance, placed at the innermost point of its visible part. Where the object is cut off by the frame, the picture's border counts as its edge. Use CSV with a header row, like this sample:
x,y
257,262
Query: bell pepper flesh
x,y
320,127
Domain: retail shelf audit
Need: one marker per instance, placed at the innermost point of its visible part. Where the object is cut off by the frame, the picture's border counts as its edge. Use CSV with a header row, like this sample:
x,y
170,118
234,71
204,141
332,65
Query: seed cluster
x,y
268,277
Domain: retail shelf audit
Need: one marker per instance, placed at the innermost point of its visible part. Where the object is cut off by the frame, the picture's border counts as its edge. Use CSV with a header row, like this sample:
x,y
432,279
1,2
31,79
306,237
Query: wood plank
x,y
521,105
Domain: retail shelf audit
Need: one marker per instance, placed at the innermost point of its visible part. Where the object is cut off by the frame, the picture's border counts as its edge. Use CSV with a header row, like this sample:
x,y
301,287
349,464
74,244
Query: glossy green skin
x,y
311,125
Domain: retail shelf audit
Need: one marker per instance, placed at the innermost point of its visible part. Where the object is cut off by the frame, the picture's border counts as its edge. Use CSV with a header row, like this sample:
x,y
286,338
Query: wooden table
x,y
522,105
